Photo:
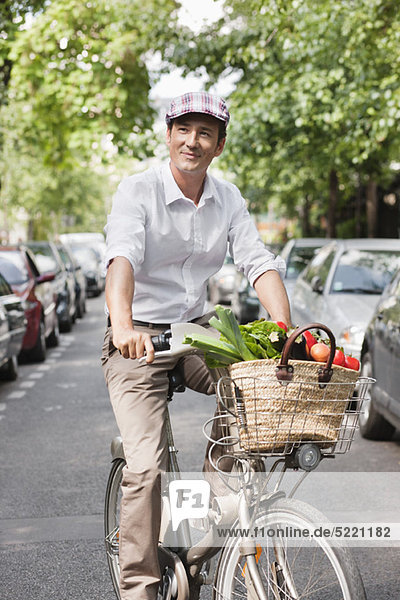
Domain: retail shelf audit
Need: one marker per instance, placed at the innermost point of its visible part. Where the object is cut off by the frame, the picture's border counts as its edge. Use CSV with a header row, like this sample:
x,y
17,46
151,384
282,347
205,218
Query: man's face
x,y
193,142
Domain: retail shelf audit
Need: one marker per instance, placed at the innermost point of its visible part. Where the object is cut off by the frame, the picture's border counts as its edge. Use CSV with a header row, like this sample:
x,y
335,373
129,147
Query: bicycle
x,y
275,569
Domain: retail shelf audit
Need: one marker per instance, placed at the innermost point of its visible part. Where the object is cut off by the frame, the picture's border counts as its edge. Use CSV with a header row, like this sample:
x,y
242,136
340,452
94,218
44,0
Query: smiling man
x,y
167,233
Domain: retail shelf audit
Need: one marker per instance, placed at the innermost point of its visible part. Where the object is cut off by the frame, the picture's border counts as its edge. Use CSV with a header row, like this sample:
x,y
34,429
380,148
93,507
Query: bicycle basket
x,y
281,404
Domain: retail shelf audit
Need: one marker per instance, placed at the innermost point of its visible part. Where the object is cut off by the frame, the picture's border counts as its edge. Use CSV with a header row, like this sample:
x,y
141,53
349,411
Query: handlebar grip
x,y
162,341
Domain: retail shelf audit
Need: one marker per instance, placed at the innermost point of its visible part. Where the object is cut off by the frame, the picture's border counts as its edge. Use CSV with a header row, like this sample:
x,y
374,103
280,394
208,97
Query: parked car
x,y
245,303
92,240
38,296
342,285
12,330
91,267
221,285
72,266
380,358
48,261
297,253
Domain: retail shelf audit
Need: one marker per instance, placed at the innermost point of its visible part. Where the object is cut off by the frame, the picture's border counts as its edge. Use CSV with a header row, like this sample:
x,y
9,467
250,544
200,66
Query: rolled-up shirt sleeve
x,y
246,247
126,224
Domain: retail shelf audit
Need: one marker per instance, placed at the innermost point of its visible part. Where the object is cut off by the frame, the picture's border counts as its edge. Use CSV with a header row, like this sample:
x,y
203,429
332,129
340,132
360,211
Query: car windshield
x,y
85,256
45,259
364,271
13,269
298,260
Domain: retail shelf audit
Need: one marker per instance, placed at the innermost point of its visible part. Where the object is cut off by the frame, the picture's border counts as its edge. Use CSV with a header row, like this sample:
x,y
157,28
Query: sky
x,y
193,14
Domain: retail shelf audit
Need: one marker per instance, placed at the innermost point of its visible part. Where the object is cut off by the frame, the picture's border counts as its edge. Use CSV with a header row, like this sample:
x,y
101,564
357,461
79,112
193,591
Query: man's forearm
x,y
272,295
120,286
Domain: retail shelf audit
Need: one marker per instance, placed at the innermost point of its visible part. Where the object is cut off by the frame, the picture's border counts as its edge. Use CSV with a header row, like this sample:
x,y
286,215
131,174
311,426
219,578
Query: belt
x,y
145,324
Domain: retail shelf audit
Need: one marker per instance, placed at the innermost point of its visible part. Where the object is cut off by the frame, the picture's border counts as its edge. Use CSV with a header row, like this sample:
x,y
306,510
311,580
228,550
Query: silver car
x,y
297,253
221,285
342,285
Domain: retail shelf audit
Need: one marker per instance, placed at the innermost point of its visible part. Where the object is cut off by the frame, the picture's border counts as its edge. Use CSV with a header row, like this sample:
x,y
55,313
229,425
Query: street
x,y
56,426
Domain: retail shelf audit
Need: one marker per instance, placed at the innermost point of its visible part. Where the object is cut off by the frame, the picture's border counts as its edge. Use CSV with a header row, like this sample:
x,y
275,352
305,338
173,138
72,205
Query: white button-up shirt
x,y
174,246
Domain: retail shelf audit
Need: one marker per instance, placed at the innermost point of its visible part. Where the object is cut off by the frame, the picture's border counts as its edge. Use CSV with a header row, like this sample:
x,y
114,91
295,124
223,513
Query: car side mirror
x,y
45,277
316,284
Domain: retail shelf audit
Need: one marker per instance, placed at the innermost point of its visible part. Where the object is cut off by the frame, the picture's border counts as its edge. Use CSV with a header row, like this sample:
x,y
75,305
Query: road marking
x,y
16,394
51,361
3,406
51,408
27,384
36,375
66,386
43,368
56,354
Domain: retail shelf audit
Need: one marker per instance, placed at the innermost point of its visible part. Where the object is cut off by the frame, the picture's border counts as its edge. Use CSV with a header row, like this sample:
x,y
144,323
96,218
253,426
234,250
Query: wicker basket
x,y
282,403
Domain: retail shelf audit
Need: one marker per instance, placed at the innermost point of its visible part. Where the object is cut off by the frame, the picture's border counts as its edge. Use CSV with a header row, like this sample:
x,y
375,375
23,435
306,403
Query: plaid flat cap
x,y
198,102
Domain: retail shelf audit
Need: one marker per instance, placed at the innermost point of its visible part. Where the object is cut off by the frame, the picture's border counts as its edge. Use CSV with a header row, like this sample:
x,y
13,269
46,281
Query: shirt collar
x,y
173,192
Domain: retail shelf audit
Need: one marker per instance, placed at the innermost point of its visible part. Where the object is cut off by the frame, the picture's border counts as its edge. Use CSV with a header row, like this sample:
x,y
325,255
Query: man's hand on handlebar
x,y
134,344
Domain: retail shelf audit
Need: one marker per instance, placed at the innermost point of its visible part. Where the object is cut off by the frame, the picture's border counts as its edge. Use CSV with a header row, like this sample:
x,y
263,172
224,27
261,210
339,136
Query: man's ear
x,y
220,147
168,136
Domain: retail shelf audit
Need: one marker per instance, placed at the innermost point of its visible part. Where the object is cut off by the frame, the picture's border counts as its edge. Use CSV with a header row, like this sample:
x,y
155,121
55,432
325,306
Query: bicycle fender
x,y
117,450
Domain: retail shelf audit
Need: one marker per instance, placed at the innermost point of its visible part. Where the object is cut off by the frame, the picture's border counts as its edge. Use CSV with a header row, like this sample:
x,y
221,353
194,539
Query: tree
x,y
78,94
317,102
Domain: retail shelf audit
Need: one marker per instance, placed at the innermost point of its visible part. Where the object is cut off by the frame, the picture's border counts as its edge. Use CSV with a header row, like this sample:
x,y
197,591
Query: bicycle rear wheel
x,y
313,571
111,521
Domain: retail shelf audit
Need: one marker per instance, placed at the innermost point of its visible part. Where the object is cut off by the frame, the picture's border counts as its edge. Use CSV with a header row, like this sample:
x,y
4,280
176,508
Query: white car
x,y
342,285
221,285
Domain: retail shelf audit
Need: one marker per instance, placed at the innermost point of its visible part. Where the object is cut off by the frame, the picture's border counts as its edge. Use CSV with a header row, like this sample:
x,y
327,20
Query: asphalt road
x,y
56,425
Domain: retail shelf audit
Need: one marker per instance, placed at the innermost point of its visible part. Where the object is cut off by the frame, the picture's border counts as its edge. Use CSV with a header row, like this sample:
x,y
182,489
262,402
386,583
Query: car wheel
x,y
373,425
66,326
54,338
10,370
38,352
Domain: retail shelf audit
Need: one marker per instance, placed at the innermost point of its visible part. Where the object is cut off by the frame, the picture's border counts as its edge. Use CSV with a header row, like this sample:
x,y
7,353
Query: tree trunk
x,y
305,216
31,229
372,208
333,198
357,212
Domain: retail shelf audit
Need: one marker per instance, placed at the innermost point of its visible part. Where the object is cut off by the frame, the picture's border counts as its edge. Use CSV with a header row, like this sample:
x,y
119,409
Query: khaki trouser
x,y
138,393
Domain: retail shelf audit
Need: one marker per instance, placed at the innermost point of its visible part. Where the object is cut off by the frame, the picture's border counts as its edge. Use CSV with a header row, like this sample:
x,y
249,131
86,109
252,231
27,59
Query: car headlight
x,y
252,292
351,335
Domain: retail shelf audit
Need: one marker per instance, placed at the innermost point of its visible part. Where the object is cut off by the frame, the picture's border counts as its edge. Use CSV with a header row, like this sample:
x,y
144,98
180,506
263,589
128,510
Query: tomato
x,y
339,358
282,325
352,363
310,339
320,352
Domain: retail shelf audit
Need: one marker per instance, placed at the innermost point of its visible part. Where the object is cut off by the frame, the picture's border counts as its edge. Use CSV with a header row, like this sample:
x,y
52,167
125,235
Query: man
x,y
166,235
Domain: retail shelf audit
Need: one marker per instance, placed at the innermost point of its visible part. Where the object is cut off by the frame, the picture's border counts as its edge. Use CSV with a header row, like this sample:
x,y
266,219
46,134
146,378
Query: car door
x,y
391,343
308,301
16,317
4,333
45,293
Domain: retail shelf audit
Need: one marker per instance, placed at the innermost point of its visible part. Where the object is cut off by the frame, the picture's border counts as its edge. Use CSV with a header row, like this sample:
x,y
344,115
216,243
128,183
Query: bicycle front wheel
x,y
313,570
111,521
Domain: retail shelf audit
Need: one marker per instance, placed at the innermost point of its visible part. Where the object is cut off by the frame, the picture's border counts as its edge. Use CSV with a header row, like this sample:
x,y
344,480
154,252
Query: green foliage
x,y
78,97
317,91
80,74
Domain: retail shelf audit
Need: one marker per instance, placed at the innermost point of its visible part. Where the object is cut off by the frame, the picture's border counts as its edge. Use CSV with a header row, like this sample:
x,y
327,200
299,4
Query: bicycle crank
x,y
168,589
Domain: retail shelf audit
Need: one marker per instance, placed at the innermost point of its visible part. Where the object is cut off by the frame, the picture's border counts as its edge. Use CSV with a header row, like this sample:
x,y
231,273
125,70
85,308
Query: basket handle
x,y
284,371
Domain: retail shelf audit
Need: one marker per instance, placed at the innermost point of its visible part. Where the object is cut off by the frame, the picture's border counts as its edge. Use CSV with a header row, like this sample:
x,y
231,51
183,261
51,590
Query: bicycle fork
x,y
282,585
